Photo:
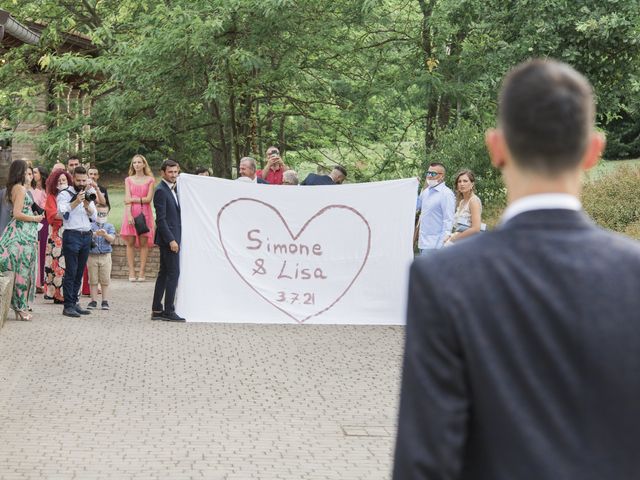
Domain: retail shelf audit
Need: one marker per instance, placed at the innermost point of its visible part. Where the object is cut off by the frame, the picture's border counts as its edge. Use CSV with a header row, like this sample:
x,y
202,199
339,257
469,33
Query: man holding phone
x,y
274,169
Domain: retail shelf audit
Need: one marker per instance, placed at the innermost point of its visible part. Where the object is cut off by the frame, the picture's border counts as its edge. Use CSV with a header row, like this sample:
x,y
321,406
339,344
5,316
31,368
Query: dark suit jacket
x,y
168,225
522,357
314,179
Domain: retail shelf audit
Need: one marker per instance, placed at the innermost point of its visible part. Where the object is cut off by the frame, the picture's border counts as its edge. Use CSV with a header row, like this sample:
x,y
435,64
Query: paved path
x,y
118,396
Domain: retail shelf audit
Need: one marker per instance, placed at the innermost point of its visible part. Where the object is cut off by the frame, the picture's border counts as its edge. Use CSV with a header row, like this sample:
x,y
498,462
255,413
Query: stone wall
x,y
119,260
27,131
6,289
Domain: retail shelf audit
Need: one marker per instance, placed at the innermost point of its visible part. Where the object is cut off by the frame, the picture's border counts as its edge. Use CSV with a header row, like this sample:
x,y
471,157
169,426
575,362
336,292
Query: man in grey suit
x,y
522,358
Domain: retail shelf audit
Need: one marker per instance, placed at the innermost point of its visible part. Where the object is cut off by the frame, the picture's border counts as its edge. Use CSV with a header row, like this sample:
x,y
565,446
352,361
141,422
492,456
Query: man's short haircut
x,y
438,164
168,163
546,111
250,160
80,170
72,157
341,169
200,170
93,167
103,205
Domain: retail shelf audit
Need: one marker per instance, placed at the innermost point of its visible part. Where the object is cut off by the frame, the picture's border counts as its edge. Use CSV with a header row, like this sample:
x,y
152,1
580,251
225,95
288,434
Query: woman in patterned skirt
x,y
18,242
54,260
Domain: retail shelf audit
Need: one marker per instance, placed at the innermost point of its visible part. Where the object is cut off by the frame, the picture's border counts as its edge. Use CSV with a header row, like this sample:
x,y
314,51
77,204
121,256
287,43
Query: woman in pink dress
x,y
137,199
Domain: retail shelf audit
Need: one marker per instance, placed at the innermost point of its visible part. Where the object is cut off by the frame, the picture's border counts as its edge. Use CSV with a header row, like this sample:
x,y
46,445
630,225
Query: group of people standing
x,y
446,217
50,232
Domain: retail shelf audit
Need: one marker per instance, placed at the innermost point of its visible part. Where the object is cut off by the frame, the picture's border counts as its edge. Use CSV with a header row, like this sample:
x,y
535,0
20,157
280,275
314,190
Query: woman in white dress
x,y
468,217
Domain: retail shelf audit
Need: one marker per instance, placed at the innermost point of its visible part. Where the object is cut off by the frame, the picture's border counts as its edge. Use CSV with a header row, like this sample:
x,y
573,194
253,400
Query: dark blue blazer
x,y
522,357
261,180
168,225
315,179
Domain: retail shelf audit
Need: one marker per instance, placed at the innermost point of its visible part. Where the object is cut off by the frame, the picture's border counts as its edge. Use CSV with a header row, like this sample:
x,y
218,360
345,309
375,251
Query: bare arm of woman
x,y
127,193
17,198
127,203
149,196
476,220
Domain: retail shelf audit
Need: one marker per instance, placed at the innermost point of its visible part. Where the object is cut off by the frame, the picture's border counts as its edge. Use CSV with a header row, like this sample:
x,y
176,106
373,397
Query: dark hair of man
x,y
546,111
103,205
341,169
200,170
17,170
93,167
438,164
72,157
168,163
79,170
44,174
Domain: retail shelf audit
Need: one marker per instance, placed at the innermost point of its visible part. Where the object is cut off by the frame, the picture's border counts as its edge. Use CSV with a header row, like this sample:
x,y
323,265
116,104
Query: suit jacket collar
x,y
166,186
551,219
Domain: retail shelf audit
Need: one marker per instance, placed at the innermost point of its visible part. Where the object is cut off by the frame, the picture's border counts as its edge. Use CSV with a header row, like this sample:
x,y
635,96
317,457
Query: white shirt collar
x,y
542,201
170,185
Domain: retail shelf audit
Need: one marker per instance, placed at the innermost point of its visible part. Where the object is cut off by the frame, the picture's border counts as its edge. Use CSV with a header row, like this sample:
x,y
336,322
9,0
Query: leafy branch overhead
x,y
382,86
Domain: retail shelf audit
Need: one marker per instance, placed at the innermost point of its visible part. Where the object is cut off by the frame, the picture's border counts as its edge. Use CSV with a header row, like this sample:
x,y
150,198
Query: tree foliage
x,y
382,86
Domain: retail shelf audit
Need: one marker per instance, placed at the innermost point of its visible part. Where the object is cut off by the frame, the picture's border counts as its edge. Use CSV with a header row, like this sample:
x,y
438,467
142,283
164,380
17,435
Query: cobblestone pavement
x,y
115,395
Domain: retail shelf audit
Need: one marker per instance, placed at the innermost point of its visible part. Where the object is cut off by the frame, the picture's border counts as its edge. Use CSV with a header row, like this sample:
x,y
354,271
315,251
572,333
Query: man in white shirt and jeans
x,y
77,212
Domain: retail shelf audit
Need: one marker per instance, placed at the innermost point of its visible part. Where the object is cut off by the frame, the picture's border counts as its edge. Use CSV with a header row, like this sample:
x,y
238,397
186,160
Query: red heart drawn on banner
x,y
302,274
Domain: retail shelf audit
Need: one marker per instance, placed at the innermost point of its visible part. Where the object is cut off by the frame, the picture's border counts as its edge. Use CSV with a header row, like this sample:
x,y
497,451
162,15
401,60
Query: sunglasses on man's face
x,y
103,214
432,174
275,153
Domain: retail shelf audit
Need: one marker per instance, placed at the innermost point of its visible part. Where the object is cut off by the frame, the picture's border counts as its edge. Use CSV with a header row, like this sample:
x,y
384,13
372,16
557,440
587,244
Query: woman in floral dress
x,y
54,260
18,242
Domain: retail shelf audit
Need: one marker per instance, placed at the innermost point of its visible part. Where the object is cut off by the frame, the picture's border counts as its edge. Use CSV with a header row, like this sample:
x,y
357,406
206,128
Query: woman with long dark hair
x,y
468,216
18,242
39,192
54,260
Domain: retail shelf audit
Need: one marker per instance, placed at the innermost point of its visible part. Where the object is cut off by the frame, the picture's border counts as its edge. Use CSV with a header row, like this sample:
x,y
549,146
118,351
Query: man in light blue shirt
x,y
77,212
437,206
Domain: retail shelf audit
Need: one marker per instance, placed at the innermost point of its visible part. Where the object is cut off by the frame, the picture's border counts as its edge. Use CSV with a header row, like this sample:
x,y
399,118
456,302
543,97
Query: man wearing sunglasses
x,y
437,206
274,169
522,357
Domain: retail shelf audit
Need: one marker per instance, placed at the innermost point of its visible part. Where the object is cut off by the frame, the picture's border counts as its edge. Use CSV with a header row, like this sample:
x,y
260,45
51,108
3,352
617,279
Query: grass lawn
x,y
116,199
605,167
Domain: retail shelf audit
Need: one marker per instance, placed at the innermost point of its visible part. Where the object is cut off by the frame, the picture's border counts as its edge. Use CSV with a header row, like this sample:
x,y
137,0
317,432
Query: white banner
x,y
293,254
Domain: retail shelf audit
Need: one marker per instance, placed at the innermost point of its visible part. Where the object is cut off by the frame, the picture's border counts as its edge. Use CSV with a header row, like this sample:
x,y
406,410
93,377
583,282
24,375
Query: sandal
x,y
23,316
140,279
133,279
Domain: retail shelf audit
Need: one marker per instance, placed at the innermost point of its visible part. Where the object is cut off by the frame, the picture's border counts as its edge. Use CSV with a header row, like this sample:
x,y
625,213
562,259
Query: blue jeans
x,y
75,248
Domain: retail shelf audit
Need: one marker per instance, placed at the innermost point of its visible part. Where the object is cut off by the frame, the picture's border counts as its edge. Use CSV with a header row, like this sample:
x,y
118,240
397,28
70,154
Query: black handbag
x,y
140,224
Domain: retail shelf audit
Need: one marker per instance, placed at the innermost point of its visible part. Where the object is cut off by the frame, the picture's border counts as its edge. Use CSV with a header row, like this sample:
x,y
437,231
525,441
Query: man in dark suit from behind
x,y
522,345
335,177
168,237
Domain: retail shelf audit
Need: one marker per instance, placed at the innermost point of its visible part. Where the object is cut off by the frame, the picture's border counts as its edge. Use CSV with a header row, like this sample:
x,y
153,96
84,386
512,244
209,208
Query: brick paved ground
x,y
118,396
